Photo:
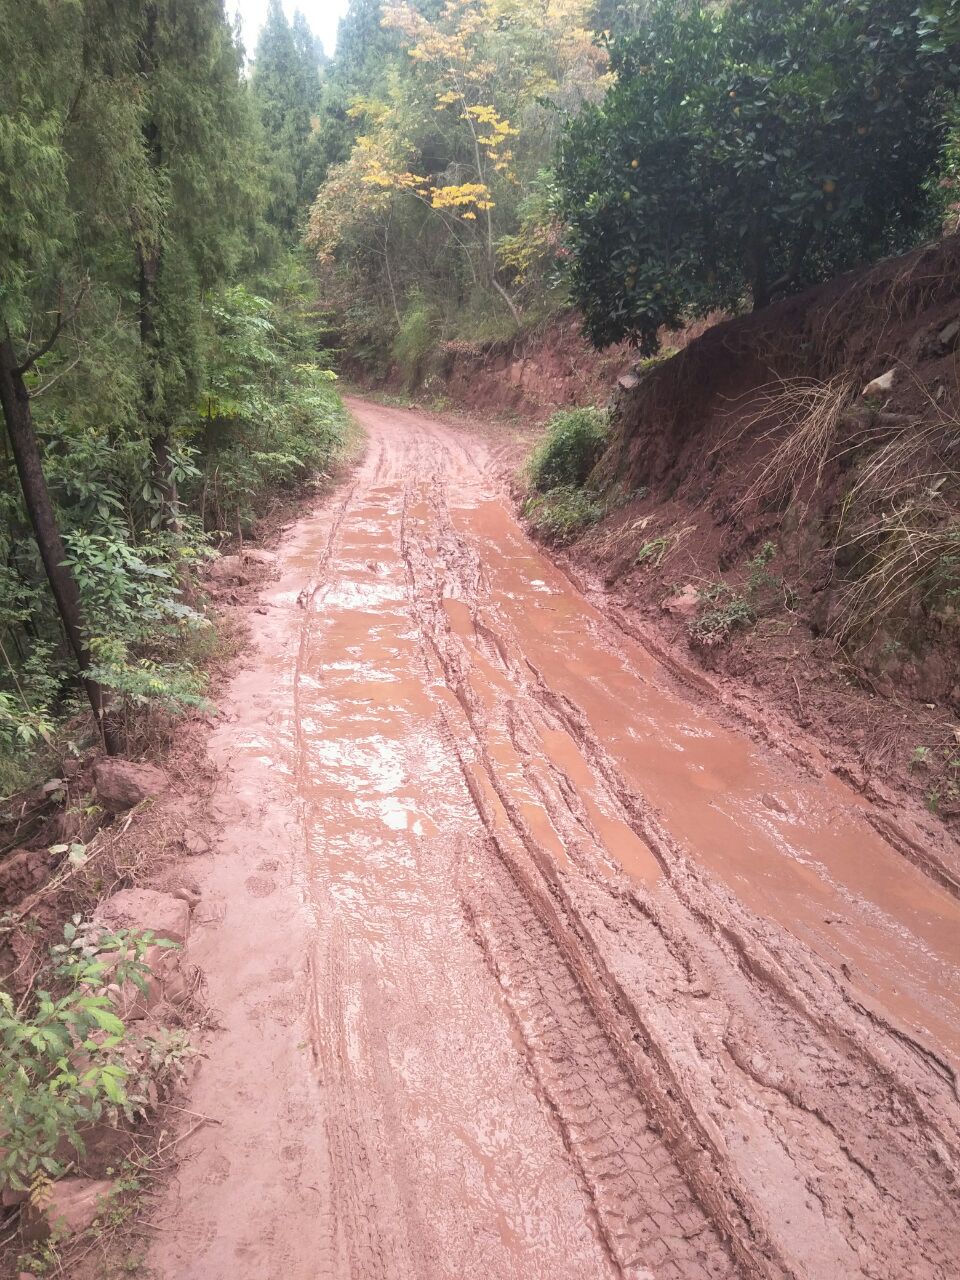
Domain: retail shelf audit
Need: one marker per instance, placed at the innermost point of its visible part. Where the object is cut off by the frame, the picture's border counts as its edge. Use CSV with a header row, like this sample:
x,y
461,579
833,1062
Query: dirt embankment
x,y
799,538
533,374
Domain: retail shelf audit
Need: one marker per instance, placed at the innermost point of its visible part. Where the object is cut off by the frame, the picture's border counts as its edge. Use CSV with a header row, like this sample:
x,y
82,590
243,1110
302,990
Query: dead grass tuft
x,y
806,416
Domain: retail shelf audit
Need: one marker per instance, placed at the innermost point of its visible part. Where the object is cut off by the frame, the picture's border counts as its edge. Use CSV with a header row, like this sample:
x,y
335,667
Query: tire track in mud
x,y
640,1186
502,1017
378,1228
816,1103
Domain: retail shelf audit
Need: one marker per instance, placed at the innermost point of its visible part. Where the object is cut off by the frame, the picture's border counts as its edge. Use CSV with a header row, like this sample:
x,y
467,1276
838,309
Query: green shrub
x,y
63,1052
570,449
561,514
730,610
269,415
415,339
715,624
746,151
945,187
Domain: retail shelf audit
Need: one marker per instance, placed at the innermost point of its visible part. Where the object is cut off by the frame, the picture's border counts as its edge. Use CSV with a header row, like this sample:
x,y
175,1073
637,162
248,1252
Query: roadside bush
x,y
267,418
560,515
727,610
269,415
414,341
945,186
64,1062
570,449
747,150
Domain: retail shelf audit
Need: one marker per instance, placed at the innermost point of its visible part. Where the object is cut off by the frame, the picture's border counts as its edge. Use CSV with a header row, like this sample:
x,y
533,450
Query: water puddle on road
x,y
444,1163
795,850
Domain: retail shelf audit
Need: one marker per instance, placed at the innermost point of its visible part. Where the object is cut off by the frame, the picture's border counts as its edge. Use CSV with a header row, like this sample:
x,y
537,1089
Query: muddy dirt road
x,y
528,967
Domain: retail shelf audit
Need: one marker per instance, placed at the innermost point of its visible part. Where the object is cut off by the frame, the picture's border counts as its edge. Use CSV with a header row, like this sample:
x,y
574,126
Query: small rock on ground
x,y
255,556
146,909
123,783
71,1208
194,842
21,872
685,604
881,386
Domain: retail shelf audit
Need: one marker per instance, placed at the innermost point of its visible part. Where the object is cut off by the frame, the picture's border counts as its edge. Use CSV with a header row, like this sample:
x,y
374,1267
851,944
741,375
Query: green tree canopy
x,y
747,149
287,90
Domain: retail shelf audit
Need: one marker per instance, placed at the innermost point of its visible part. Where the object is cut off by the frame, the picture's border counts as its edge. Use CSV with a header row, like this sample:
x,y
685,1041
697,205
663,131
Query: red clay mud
x,y
528,967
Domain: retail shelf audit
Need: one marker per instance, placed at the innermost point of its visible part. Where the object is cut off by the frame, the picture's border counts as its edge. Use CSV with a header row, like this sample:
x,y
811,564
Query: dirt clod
x,y
163,914
21,872
195,842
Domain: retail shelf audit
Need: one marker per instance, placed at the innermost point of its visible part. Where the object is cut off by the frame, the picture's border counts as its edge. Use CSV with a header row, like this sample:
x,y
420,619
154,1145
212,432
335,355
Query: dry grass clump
x,y
807,419
905,556
901,512
898,529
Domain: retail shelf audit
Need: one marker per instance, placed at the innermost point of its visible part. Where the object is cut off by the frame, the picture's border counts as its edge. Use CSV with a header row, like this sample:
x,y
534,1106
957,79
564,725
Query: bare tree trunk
x,y
386,263
148,262
757,261
15,402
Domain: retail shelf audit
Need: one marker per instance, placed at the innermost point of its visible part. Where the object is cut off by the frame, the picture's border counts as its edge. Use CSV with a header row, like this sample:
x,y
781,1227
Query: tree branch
x,y
62,319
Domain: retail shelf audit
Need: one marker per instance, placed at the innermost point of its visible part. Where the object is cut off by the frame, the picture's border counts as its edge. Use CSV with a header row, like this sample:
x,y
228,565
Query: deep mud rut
x,y
526,966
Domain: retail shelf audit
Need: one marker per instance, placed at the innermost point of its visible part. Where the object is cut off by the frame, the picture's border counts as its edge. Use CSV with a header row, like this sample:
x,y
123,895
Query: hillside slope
x,y
798,536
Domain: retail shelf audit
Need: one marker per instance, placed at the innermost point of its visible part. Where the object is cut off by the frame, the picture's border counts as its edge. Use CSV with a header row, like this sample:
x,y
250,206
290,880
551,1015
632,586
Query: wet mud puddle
x,y
542,972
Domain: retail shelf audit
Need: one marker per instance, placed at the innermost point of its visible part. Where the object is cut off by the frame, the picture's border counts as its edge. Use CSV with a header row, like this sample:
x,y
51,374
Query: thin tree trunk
x,y
15,403
757,261
149,264
491,251
159,430
386,263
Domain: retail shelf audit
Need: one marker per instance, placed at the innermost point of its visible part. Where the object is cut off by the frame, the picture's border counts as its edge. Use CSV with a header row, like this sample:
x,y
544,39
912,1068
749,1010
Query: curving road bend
x,y
527,967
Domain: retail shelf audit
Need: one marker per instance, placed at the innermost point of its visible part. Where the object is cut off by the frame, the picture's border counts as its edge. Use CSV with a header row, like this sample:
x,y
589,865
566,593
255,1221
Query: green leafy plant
x,y
654,550
416,337
731,610
62,1065
746,150
714,625
945,186
560,515
269,416
569,450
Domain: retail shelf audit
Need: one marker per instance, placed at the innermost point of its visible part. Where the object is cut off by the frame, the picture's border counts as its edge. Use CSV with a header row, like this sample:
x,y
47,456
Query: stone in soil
x,y
21,873
229,569
73,1205
194,842
121,784
683,605
255,556
162,914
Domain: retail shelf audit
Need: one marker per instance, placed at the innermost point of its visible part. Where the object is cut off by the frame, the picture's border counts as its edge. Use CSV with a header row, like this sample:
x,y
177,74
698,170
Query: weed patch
x,y
569,451
67,1057
729,610
560,515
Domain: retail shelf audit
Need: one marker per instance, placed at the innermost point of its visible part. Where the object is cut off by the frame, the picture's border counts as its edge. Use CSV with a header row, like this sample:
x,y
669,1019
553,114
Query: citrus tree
x,y
747,149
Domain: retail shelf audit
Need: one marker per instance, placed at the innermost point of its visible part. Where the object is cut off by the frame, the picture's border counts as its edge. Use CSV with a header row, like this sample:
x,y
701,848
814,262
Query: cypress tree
x,y
199,147
287,88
